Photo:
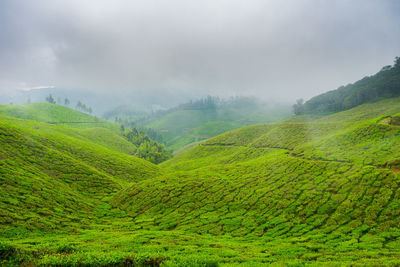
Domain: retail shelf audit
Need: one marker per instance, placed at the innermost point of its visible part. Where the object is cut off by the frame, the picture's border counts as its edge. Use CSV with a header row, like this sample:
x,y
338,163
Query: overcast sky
x,y
278,49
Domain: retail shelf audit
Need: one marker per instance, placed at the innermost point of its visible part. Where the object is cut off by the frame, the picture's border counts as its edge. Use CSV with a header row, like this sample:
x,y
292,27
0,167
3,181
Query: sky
x,y
271,49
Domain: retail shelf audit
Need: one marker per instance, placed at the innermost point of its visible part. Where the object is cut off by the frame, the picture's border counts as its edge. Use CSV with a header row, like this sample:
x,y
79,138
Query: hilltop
x,y
93,129
55,114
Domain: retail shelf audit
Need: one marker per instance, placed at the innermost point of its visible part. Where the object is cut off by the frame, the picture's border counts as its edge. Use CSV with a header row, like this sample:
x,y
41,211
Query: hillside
x,y
55,114
333,185
93,129
319,191
384,84
202,119
51,179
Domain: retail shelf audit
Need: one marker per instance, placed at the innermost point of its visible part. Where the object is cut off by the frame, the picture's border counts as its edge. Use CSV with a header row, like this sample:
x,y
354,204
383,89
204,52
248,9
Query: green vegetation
x,y
56,114
199,120
51,180
146,148
96,130
310,190
384,84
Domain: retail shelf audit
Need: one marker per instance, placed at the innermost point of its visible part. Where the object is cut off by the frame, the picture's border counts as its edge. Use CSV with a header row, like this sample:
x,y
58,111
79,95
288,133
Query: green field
x,y
310,190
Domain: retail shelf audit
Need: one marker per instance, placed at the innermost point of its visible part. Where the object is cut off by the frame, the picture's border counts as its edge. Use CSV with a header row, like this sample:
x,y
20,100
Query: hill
x,y
202,119
305,191
384,84
50,178
55,114
333,185
102,132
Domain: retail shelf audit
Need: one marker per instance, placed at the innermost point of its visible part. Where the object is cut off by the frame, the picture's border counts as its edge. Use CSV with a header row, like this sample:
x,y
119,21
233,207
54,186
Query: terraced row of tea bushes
x,y
54,181
117,247
275,195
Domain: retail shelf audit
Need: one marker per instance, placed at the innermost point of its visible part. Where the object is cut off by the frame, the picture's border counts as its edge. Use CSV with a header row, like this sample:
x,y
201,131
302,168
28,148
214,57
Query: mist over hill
x,y
199,133
309,189
200,119
100,102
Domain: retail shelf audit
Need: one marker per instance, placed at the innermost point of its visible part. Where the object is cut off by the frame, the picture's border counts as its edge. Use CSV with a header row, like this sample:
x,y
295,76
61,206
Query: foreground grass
x,y
111,246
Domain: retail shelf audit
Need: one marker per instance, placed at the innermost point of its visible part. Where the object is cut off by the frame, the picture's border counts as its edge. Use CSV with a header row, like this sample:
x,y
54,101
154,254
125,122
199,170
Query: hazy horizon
x,y
274,50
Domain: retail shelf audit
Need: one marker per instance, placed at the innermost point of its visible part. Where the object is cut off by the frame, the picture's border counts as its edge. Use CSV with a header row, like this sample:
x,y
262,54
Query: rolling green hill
x,y
190,123
332,184
47,174
93,129
310,190
56,114
202,119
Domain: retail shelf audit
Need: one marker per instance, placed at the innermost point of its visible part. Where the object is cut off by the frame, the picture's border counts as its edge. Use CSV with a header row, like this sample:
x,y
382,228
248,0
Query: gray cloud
x,y
273,49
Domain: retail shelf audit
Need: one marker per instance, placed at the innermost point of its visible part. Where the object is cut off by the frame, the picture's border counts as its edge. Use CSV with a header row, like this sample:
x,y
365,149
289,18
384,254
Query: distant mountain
x,y
384,84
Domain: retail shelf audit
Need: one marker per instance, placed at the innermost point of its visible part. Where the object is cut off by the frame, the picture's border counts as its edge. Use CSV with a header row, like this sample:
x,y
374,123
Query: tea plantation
x,y
307,191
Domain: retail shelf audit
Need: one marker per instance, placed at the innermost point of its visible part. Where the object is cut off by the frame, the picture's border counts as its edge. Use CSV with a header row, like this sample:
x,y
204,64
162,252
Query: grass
x,y
299,192
51,180
183,127
57,114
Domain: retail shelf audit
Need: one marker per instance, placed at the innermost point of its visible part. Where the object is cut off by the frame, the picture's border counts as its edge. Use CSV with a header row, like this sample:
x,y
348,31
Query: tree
x,y
298,108
396,62
59,100
78,105
66,101
50,99
147,148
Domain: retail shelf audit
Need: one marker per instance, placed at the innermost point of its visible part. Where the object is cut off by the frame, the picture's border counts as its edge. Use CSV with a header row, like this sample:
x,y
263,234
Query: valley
x,y
199,133
320,191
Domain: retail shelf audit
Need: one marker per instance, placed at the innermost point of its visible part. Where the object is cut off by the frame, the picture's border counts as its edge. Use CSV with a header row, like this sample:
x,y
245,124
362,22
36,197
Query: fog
x,y
276,50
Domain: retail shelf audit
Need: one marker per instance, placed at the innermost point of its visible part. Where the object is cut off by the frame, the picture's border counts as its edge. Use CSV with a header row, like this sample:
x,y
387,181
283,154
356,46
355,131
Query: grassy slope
x,y
188,126
321,192
367,111
96,130
51,113
363,112
47,174
106,138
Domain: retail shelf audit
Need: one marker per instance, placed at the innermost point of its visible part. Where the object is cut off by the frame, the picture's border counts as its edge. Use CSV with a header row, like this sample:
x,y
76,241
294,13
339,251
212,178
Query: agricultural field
x,y
306,191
